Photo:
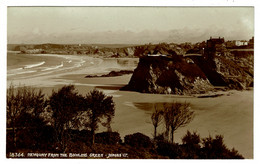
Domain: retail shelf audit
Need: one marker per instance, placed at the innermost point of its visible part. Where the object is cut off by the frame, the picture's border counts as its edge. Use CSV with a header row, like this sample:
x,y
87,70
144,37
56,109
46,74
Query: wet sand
x,y
230,115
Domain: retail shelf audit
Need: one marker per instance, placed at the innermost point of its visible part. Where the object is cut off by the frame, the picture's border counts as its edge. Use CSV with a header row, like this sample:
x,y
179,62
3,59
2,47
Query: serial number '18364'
x,y
15,155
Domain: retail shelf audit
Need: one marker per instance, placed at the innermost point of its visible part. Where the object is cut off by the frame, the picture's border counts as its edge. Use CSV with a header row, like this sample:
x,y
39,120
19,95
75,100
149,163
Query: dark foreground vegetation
x,y
67,122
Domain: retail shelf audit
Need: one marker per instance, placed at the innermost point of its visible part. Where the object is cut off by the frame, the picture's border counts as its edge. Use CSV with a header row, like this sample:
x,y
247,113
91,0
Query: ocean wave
x,y
19,73
17,69
52,68
80,63
34,65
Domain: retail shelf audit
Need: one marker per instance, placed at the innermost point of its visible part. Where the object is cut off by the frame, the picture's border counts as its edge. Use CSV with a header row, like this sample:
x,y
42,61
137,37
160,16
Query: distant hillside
x,y
103,50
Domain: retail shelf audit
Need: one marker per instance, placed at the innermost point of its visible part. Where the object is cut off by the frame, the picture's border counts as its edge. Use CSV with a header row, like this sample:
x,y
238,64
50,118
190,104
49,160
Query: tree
x,y
24,106
99,106
177,115
156,118
65,105
167,121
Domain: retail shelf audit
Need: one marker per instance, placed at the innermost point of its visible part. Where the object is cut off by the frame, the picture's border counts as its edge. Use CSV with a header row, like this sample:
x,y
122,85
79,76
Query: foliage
x,y
214,148
24,106
156,118
99,106
138,140
178,115
27,130
80,136
174,115
109,138
64,105
164,148
195,148
191,145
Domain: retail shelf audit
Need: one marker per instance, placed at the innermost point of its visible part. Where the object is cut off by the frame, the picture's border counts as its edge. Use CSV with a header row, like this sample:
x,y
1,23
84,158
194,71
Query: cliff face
x,y
171,75
236,69
191,75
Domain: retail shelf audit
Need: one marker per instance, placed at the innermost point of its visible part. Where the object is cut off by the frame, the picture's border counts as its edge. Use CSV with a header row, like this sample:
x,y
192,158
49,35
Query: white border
x,y
129,2
3,49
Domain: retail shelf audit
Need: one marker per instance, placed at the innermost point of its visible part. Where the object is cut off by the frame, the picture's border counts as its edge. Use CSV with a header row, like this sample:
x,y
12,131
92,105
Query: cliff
x,y
177,74
168,74
234,70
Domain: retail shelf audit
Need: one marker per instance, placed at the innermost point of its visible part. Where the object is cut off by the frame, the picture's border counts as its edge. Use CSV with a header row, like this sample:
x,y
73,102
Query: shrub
x,y
172,150
191,146
214,148
138,140
109,138
82,136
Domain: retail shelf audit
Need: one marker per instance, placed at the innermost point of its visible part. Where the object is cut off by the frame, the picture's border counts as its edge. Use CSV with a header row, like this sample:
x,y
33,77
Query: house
x,y
214,43
215,46
251,43
241,43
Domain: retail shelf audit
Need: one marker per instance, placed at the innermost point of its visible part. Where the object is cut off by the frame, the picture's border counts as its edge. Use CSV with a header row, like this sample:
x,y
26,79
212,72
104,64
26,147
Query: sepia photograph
x,y
143,82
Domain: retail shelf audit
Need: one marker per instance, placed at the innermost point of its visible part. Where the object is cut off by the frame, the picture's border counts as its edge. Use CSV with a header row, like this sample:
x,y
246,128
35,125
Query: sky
x,y
124,25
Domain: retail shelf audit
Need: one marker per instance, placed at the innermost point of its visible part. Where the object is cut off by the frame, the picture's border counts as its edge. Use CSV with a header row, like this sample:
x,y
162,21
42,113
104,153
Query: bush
x,y
81,136
109,138
173,151
195,148
214,148
191,146
138,140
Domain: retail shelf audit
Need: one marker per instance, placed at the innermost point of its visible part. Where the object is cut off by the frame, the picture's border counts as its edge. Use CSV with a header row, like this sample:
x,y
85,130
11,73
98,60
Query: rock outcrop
x,y
234,70
112,74
182,75
168,75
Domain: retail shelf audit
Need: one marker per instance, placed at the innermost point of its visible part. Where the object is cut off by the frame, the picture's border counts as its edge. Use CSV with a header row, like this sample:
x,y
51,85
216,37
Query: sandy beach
x,y
230,115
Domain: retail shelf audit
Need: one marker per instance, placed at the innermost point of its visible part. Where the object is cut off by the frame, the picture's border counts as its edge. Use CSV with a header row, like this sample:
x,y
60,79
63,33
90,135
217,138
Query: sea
x,y
23,67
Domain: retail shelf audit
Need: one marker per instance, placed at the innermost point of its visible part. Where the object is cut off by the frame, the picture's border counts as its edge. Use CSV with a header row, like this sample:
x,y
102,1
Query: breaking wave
x,y
53,68
34,65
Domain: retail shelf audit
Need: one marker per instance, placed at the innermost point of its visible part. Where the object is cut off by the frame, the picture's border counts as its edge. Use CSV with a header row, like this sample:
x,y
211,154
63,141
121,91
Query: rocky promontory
x,y
185,75
112,74
168,74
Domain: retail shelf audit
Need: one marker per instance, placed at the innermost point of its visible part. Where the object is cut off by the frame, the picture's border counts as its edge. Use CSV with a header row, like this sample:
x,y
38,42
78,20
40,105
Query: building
x,y
213,43
215,46
241,43
251,43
